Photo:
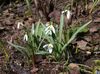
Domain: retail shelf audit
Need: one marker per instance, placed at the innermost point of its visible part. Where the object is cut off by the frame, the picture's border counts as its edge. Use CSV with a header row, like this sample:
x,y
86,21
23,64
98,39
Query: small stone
x,y
74,68
34,70
82,44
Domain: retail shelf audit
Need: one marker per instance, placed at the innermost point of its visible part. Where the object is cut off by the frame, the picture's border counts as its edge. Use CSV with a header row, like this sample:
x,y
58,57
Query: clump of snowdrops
x,y
48,39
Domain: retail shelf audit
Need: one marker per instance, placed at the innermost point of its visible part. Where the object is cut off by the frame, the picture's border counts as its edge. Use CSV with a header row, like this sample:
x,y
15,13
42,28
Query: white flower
x,y
47,24
19,24
88,52
49,29
69,14
64,11
25,37
32,30
48,47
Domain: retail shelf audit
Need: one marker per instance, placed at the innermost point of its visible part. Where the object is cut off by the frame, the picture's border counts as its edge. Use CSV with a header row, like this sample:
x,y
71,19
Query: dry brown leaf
x,y
93,29
81,44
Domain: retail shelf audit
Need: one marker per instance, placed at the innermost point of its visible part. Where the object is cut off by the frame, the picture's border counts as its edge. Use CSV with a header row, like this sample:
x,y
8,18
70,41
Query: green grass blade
x,y
2,48
95,3
23,50
61,30
75,34
37,28
42,53
29,6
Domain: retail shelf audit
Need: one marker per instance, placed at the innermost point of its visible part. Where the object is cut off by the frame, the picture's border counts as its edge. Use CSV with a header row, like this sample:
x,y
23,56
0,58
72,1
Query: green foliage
x,y
3,49
96,67
29,11
95,3
75,34
33,45
85,69
97,62
91,70
65,37
42,38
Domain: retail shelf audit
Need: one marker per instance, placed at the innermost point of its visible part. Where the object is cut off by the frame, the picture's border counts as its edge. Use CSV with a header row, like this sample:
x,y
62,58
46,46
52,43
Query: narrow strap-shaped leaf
x,y
20,48
75,34
42,53
60,30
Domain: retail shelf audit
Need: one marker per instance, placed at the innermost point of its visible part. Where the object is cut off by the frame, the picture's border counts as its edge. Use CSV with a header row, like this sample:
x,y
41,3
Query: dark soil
x,y
12,12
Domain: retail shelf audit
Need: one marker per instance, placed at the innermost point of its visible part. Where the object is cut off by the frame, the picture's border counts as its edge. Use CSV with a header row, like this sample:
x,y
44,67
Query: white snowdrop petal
x,y
47,24
25,37
47,32
53,29
68,14
88,52
50,45
45,46
50,50
19,24
64,11
49,29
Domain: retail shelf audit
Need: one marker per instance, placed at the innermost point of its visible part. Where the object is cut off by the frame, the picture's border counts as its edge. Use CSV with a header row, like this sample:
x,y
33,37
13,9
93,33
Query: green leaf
x,y
84,30
1,44
42,53
97,62
29,7
75,34
60,30
37,28
23,50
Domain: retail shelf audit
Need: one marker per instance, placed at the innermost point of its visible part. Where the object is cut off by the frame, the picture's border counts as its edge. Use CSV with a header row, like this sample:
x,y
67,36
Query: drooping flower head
x,y
69,13
49,29
48,47
19,24
25,37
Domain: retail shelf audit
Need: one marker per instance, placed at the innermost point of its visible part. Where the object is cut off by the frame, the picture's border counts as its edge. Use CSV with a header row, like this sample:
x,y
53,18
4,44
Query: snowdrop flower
x,y
49,29
32,30
88,52
48,47
97,72
64,11
25,37
47,24
19,24
69,14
